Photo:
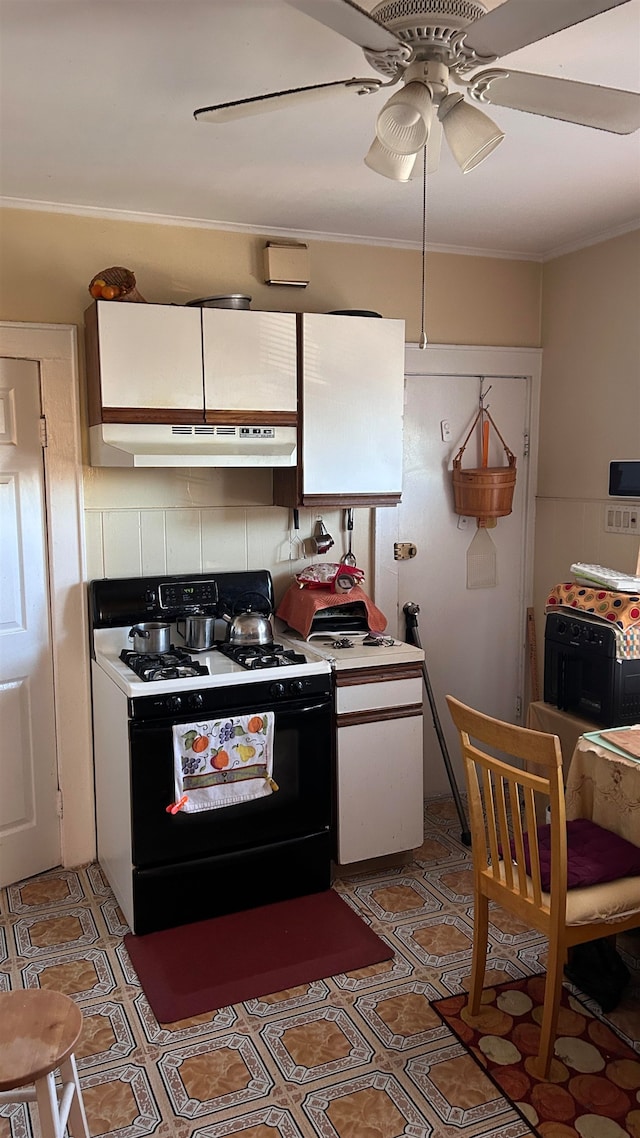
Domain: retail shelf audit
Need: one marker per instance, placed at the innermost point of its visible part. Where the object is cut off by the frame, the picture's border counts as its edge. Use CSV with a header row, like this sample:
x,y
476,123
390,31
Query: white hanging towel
x,y
223,761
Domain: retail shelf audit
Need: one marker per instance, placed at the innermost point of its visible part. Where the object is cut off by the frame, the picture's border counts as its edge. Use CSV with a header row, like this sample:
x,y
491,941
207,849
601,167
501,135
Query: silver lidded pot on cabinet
x,y
235,300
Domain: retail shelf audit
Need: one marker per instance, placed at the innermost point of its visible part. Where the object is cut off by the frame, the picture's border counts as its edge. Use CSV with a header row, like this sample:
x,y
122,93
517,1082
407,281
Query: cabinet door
x,y
380,788
150,355
249,361
352,404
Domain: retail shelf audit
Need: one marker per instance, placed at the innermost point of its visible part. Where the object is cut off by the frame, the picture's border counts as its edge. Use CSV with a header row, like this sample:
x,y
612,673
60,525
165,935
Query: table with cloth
x,y
603,784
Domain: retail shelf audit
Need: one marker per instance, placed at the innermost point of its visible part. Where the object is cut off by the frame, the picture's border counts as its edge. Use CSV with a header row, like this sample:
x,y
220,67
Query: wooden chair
x,y
38,1033
501,809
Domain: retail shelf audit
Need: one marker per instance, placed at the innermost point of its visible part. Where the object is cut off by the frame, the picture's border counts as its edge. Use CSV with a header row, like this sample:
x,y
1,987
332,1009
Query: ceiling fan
x,y
430,45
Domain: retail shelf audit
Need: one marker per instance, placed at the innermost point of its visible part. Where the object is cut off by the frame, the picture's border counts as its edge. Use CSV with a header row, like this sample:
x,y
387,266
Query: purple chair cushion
x,y
594,855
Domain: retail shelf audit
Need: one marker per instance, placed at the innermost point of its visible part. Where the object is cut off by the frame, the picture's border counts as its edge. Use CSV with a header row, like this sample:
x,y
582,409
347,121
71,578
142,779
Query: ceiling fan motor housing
x,y
431,29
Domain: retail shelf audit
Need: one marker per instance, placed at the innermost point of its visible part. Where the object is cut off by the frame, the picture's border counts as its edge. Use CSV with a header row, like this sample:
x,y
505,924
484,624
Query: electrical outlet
x,y
445,430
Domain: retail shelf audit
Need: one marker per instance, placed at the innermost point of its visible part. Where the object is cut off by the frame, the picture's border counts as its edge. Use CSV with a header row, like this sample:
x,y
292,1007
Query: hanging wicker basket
x,y
486,491
123,279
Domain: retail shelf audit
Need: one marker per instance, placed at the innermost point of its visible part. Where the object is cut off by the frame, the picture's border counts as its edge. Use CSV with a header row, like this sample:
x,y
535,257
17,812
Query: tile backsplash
x,y
126,541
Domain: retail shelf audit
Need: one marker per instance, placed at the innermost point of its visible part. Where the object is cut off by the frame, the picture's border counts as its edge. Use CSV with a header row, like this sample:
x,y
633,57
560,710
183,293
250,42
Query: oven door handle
x,y
288,710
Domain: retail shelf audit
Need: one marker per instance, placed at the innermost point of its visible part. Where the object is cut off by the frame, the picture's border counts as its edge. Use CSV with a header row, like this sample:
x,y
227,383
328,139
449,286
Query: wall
x,y
157,521
590,406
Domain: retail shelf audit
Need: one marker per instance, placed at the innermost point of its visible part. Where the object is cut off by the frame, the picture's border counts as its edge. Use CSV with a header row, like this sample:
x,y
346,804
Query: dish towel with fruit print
x,y
223,762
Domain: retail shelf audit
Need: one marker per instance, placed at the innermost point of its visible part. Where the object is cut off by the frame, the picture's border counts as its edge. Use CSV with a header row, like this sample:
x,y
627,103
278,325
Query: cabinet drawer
x,y
388,693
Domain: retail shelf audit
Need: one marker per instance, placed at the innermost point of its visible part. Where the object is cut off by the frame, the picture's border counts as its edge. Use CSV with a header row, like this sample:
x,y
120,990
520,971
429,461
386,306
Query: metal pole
x,y
411,611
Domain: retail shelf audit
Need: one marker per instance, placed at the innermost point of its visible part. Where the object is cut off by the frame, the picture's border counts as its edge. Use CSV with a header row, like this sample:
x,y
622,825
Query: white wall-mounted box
x,y
286,264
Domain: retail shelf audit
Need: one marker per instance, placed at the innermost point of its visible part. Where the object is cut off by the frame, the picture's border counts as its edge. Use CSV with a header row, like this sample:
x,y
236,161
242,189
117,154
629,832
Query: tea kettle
x,y
248,628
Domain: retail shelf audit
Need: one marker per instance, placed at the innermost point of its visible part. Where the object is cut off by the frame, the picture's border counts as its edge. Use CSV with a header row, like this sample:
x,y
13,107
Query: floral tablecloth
x,y
604,786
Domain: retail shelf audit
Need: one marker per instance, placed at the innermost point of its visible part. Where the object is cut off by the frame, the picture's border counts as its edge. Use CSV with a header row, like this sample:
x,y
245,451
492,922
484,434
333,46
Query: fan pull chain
x,y
423,334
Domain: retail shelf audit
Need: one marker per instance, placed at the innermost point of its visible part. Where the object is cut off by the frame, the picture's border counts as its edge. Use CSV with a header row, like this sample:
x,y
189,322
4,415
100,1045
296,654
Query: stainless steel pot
x,y
152,637
249,628
198,631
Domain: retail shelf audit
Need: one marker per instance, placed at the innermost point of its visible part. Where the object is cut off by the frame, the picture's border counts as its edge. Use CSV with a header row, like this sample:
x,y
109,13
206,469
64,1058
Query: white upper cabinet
x,y
249,360
351,409
149,355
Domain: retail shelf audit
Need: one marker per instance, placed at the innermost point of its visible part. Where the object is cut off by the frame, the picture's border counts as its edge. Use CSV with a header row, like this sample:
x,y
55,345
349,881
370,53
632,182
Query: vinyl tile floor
x,y
360,1055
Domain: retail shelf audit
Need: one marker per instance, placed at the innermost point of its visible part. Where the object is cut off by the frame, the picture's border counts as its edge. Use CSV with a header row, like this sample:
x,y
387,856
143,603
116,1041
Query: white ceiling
x,y
97,98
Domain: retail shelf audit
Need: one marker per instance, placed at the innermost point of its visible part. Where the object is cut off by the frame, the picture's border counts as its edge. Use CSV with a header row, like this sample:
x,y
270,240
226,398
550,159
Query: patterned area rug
x,y
593,1089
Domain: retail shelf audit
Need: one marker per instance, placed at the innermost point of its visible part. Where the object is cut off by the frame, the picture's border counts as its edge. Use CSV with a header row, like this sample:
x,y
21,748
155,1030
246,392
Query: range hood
x,y
160,444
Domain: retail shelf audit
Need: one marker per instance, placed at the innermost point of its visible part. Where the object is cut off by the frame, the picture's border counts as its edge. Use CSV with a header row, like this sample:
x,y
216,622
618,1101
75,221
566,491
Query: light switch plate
x,y
622,517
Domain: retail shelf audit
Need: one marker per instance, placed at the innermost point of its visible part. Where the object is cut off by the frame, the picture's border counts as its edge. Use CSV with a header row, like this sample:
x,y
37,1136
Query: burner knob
x,y
174,703
195,700
149,596
276,691
296,687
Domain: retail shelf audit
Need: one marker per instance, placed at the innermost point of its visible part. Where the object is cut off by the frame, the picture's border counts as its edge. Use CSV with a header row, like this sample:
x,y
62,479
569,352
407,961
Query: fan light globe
x,y
471,135
398,167
404,121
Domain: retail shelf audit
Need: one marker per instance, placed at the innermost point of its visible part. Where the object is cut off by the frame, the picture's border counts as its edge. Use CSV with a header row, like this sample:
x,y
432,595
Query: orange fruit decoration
x,y
200,743
220,761
110,292
255,723
97,287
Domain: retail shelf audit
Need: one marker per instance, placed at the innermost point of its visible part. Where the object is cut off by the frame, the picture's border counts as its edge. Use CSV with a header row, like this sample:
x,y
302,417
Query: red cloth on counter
x,y
299,606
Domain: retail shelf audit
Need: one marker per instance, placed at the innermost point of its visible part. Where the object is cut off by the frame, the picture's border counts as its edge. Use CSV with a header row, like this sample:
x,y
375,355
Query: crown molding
x,y
584,242
258,231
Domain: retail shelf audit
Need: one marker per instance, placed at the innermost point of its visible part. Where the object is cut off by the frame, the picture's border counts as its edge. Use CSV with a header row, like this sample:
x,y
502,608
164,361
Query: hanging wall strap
x,y
511,458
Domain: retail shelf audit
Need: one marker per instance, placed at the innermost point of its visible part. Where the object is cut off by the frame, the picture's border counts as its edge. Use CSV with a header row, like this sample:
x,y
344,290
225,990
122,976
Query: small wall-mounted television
x,y
624,478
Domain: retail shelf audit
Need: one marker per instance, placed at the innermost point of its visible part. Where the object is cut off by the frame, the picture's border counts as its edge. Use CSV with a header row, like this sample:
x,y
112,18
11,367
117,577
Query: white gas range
x,y
167,867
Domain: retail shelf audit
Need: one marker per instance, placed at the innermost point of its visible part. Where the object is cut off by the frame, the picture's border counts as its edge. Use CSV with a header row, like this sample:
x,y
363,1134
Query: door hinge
x,y
43,431
525,452
59,803
404,550
518,707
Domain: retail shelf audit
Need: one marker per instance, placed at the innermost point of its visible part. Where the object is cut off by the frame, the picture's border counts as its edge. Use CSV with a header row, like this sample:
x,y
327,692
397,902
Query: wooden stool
x,y
38,1033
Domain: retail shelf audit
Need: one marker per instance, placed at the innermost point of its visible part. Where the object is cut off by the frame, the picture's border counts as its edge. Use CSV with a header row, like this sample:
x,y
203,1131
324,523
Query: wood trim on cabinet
x,y
287,489
189,416
357,501
377,674
377,714
251,418
92,354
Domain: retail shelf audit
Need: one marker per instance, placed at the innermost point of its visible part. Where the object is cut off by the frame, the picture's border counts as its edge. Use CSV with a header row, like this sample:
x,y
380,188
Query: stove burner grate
x,y
256,656
176,664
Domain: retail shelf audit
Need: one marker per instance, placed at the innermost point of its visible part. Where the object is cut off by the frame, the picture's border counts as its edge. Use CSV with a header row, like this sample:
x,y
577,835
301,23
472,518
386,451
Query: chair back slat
x,y
489,828
518,836
502,807
503,828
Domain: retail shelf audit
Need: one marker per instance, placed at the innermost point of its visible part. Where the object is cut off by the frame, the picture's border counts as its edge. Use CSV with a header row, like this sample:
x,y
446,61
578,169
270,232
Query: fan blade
x,y
602,107
277,100
516,23
350,21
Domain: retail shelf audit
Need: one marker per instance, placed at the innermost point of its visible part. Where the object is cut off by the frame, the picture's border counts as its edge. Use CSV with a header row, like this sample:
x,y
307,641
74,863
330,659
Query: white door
x,y
29,823
473,637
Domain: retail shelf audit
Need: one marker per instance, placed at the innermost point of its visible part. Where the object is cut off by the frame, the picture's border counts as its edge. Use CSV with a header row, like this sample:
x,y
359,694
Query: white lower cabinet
x,y
379,768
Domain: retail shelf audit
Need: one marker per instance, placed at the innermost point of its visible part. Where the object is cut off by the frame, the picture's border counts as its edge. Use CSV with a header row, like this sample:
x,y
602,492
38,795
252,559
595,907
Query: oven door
x,y
302,764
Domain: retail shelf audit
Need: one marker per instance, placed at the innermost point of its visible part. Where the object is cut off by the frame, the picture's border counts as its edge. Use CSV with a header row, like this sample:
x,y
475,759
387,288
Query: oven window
x,y
302,763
